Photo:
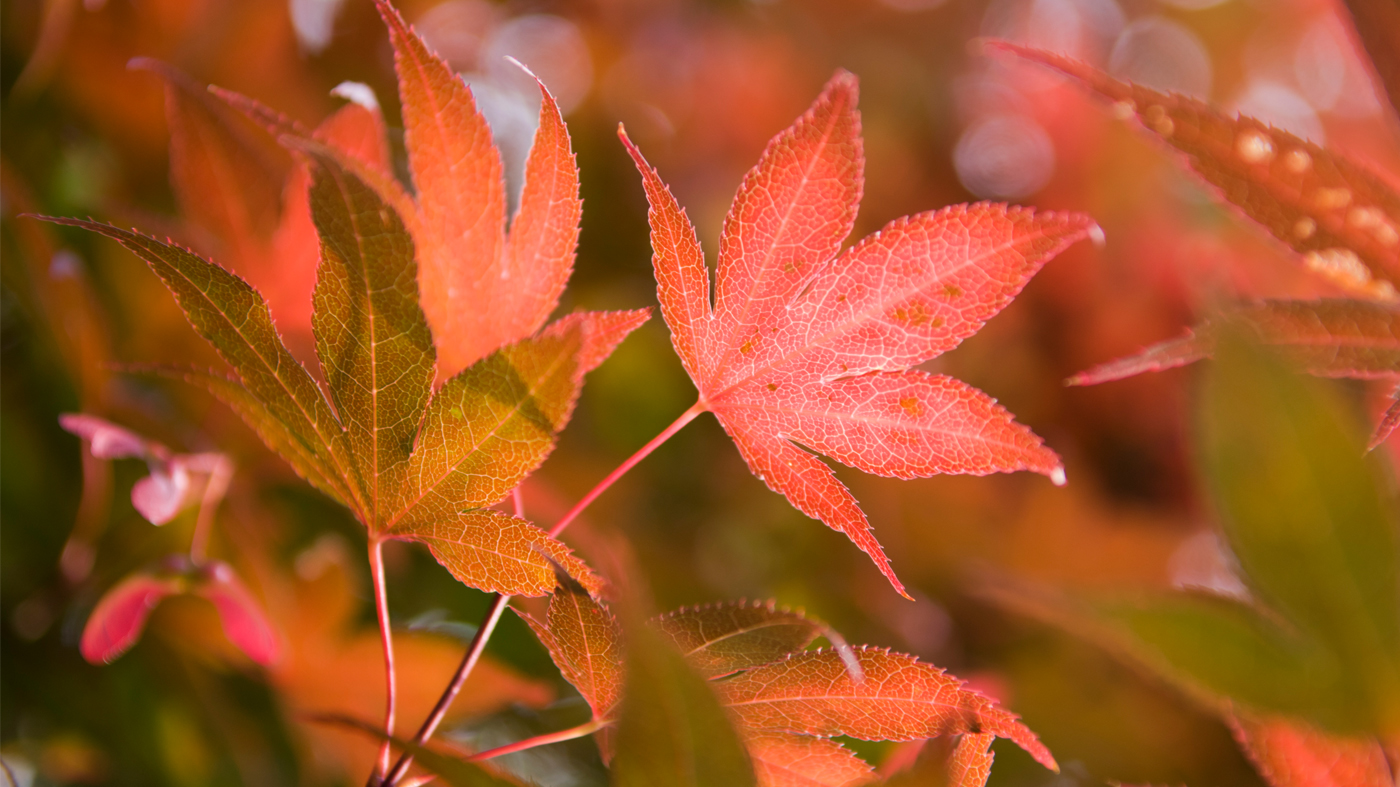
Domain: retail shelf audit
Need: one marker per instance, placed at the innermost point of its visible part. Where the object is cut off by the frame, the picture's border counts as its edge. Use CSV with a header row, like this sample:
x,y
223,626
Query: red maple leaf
x,y
807,346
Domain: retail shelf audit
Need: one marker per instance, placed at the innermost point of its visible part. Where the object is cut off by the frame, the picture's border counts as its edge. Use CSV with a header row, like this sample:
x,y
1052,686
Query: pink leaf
x,y
117,621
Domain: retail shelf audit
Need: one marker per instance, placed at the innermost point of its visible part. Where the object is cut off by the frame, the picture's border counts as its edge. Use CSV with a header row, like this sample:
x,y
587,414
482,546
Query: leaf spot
x,y
1297,161
911,406
772,386
1305,228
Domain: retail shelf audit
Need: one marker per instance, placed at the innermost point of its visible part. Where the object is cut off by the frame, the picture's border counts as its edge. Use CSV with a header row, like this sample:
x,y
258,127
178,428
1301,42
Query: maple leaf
x,y
720,639
1290,753
1343,218
407,469
410,462
971,764
809,347
779,694
899,699
804,761
582,637
482,287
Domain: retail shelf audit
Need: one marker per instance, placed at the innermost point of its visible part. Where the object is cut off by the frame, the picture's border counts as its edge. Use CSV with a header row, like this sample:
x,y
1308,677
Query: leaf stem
x,y
499,602
627,464
381,604
587,728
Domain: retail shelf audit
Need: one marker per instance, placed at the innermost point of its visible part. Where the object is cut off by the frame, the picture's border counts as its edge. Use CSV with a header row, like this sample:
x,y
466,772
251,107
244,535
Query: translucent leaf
x,y
582,638
971,764
899,699
481,289
807,347
497,553
373,342
719,639
234,318
804,761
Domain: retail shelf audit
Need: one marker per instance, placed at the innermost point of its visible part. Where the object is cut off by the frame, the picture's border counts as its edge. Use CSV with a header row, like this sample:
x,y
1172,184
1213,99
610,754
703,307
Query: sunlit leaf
x,y
274,433
234,318
481,289
1304,514
374,345
807,346
804,761
118,619
899,699
487,428
582,638
719,639
971,763
1343,218
497,553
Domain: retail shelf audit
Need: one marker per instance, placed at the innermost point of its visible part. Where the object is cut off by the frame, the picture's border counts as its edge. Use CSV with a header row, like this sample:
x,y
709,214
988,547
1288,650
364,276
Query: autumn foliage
x,y
361,336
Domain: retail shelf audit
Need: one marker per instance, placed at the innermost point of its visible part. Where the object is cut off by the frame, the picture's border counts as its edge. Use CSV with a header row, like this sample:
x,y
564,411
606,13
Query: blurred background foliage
x,y
701,85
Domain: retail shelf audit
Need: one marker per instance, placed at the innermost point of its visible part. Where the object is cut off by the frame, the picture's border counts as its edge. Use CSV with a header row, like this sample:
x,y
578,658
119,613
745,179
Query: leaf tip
x,y
1057,476
1096,236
